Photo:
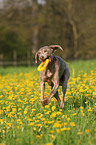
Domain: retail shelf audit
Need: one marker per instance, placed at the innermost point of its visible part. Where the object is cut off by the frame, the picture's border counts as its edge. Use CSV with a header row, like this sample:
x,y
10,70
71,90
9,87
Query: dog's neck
x,y
52,59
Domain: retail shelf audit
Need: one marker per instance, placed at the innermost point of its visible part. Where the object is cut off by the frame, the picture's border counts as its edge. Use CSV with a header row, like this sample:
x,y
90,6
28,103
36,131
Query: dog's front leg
x,y
54,90
42,86
52,93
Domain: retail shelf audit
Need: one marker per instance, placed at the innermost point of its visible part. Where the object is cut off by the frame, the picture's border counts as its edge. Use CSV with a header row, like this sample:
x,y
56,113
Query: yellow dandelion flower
x,y
31,124
51,131
83,114
47,106
81,107
79,133
37,136
44,110
94,94
53,108
87,130
63,129
65,123
34,128
33,110
72,124
68,128
57,125
48,144
20,123
8,124
52,136
89,142
42,119
68,119
74,114
39,125
86,102
25,111
58,130
47,112
89,110
53,115
58,113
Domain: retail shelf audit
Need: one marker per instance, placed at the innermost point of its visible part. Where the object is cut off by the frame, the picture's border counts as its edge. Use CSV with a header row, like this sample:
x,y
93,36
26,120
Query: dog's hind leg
x,y
64,87
56,95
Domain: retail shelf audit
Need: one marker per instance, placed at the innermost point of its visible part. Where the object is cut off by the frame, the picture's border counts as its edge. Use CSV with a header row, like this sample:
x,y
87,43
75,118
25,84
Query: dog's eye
x,y
45,50
38,53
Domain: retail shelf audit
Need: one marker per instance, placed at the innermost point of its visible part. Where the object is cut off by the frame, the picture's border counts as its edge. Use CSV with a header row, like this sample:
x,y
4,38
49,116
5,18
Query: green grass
x,y
24,121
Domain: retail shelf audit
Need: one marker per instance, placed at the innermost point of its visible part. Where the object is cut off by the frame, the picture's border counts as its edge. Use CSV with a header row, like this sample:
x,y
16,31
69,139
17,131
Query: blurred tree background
x,y
27,25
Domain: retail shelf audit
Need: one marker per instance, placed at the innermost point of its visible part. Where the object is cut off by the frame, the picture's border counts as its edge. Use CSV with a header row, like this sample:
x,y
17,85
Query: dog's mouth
x,y
48,58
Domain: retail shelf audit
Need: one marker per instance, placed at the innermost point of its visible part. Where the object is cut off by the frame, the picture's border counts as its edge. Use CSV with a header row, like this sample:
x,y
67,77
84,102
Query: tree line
x,y
27,25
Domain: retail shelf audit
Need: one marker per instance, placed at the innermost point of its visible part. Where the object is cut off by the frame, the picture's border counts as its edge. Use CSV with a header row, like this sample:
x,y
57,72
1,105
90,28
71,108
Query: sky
x,y
1,2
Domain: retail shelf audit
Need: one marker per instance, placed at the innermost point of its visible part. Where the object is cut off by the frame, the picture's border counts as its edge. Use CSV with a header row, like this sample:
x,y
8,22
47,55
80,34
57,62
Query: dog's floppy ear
x,y
55,47
36,57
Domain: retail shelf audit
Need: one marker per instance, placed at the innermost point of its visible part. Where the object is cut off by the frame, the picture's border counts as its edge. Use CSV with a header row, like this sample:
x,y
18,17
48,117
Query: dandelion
x,y
51,131
48,144
42,119
58,113
58,130
63,129
34,128
87,130
37,136
89,110
81,107
72,124
52,136
33,110
79,133
25,111
89,142
53,108
65,123
53,115
31,124
86,102
56,125
68,119
8,124
74,114
83,114
47,106
68,128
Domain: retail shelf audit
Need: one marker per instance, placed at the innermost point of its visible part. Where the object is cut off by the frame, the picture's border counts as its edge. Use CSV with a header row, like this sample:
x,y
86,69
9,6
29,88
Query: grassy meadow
x,y
24,121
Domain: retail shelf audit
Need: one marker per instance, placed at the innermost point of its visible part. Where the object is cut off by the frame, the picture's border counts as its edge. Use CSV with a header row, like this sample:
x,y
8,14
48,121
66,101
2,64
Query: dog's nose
x,y
41,57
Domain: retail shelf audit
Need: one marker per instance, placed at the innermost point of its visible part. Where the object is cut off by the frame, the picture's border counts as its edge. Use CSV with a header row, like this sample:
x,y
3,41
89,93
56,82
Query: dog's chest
x,y
46,75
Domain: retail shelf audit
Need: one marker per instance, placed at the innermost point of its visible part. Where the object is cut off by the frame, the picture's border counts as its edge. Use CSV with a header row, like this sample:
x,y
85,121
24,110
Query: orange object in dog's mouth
x,y
43,65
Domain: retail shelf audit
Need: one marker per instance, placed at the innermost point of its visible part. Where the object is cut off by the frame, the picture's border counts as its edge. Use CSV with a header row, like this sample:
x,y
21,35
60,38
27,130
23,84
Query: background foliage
x,y
27,25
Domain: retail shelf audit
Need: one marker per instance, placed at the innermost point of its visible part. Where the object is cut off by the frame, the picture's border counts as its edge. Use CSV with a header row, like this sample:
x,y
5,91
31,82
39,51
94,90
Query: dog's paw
x,y
45,102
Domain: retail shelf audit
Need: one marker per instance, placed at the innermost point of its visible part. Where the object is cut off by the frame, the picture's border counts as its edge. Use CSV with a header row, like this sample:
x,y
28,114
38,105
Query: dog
x,y
55,74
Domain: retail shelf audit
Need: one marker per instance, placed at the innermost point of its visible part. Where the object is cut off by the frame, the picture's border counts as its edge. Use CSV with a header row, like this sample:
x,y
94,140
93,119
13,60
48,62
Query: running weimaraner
x,y
56,73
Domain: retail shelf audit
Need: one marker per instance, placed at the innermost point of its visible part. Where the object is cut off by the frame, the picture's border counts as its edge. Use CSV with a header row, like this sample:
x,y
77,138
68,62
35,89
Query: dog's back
x,y
63,68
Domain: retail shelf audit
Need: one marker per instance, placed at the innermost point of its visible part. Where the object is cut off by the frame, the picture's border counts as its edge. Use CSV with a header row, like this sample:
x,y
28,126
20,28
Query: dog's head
x,y
46,52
